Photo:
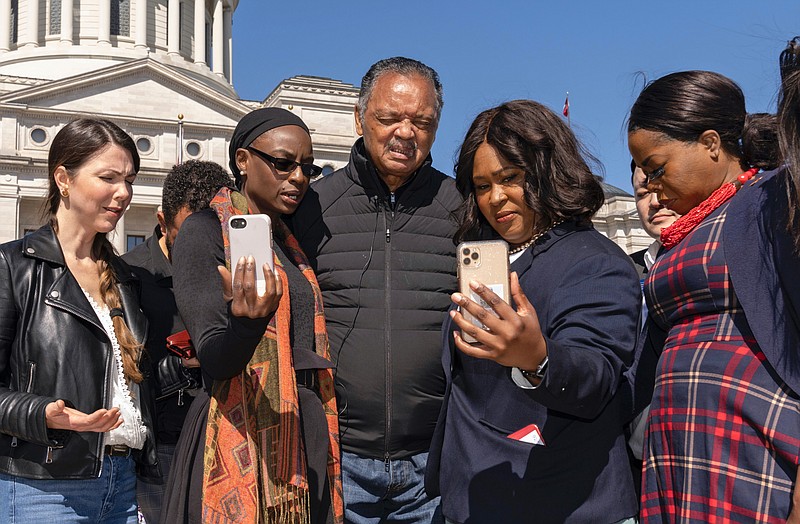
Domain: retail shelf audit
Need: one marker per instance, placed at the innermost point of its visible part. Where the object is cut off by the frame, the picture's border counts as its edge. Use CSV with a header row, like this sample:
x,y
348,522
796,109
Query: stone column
x,y
227,36
104,22
5,25
31,38
173,27
9,207
117,237
140,36
66,22
217,47
199,31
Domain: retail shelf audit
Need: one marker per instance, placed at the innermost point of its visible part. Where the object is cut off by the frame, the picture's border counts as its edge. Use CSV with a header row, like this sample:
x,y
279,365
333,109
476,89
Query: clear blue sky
x,y
490,52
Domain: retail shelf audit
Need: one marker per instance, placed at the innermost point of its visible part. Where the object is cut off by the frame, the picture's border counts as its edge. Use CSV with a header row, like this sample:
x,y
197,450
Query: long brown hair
x,y
74,145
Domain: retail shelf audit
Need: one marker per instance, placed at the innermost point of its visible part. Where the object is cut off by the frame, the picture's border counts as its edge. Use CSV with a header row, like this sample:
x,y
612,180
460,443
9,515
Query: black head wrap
x,y
253,125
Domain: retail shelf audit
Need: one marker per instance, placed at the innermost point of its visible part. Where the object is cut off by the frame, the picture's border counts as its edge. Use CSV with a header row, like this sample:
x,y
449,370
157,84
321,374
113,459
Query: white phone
x,y
251,235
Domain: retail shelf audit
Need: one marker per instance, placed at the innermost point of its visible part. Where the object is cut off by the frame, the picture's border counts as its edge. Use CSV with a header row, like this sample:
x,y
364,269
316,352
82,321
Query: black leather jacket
x,y
52,346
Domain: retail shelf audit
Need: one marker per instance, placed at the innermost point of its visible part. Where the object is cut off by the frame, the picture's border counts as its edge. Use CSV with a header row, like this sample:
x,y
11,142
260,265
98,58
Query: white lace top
x,y
132,432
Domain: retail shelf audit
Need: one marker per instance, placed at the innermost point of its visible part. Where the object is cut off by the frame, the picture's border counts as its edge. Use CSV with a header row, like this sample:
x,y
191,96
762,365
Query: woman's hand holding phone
x,y
242,292
512,338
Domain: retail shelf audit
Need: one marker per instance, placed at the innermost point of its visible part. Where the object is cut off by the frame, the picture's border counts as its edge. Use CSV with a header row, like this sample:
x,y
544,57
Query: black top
x,y
302,315
386,266
158,304
226,343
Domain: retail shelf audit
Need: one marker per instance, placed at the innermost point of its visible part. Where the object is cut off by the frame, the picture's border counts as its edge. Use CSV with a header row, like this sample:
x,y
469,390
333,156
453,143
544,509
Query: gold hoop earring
x,y
65,192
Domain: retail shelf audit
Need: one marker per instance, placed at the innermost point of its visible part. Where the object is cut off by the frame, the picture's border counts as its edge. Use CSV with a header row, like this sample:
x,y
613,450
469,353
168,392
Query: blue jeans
x,y
374,495
108,499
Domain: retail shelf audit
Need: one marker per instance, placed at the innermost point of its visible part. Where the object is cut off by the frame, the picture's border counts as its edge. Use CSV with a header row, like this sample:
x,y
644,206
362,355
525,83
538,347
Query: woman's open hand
x,y
59,416
513,338
243,294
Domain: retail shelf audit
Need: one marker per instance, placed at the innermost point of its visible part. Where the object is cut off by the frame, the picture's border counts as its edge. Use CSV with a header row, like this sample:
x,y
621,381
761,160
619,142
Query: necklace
x,y
534,238
672,235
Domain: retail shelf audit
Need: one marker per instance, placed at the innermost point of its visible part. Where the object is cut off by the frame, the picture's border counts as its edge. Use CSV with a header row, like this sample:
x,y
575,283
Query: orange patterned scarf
x,y
255,467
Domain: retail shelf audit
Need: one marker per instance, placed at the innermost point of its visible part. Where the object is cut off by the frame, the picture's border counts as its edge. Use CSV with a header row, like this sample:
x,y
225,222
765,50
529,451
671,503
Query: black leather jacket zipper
x,y
28,389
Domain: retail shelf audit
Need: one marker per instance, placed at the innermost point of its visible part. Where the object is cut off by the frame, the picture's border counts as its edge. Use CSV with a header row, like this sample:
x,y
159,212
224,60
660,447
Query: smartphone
x,y
486,262
251,235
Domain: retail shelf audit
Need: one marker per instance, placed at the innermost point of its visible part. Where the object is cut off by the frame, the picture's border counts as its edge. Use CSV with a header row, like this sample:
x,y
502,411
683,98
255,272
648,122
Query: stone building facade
x,y
161,70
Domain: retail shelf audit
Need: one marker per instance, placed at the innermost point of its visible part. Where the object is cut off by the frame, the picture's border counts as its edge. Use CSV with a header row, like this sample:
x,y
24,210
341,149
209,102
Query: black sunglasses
x,y
286,166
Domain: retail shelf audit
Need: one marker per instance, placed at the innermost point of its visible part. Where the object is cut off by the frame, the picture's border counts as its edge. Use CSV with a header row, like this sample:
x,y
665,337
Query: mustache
x,y
403,144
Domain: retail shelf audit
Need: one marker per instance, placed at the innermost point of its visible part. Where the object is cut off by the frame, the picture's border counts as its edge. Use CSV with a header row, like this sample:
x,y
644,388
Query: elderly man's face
x,y
399,125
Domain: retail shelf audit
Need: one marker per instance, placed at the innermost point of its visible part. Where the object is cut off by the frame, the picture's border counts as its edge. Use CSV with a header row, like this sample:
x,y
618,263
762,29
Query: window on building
x,y
121,17
55,17
144,145
193,149
14,20
133,241
38,136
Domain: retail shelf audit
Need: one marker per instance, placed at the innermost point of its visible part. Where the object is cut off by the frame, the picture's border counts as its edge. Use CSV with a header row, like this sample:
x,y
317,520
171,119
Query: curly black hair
x,y
192,184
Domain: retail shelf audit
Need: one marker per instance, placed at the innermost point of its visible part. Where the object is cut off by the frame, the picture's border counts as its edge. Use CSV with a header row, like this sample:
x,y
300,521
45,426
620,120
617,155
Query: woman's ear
x,y
62,178
712,142
241,159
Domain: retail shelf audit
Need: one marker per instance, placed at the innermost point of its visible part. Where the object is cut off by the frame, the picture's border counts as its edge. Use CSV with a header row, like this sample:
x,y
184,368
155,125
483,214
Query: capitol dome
x,y
53,39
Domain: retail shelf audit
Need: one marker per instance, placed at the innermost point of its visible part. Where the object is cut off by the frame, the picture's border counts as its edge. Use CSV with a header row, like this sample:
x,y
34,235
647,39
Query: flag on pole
x,y
565,111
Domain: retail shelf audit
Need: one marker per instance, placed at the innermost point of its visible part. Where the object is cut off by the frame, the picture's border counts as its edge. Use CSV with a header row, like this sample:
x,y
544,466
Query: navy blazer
x,y
588,299
765,271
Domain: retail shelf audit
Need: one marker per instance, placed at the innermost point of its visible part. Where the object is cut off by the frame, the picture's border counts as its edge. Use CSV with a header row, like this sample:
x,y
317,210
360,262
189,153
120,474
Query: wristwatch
x,y
521,376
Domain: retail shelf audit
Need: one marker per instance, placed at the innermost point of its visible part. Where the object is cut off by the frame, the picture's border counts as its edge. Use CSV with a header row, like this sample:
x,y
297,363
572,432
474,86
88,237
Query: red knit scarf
x,y
672,235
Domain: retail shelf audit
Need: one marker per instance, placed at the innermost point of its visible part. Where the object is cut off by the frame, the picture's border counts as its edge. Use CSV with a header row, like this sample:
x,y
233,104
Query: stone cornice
x,y
22,80
169,76
24,112
313,84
